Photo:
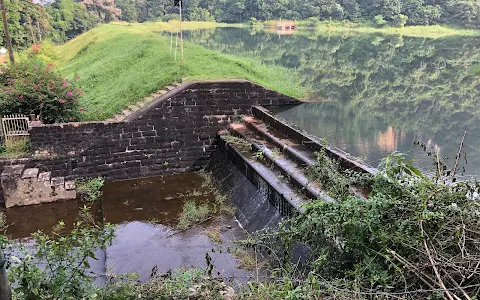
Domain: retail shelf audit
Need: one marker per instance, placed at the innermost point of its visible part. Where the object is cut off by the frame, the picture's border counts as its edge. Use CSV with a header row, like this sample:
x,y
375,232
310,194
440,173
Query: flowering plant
x,y
31,87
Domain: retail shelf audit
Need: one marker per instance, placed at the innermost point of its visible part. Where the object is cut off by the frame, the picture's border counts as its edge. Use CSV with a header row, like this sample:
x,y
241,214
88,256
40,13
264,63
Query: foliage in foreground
x,y
31,87
186,284
57,266
410,236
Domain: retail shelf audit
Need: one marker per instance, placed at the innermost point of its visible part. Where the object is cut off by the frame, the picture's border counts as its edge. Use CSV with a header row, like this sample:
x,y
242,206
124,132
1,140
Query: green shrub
x,y
90,189
193,214
31,87
409,229
57,266
400,20
253,21
379,21
312,21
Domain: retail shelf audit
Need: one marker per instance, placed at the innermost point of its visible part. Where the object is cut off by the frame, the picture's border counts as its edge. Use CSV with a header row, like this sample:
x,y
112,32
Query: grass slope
x,y
119,64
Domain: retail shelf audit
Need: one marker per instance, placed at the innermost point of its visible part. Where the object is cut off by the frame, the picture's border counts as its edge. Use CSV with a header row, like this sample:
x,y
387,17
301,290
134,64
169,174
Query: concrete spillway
x,y
262,164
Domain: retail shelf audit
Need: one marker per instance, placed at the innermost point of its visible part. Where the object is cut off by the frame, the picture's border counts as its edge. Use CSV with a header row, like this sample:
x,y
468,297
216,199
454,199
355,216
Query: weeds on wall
x,y
90,189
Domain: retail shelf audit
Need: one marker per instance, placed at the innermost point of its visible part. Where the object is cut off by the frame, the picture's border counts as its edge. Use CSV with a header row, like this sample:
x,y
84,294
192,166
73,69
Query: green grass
x,y
193,214
342,27
476,69
90,188
15,147
120,64
433,31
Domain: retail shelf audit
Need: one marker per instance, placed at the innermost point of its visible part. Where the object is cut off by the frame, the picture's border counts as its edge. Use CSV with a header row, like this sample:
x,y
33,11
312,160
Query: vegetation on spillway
x,y
120,64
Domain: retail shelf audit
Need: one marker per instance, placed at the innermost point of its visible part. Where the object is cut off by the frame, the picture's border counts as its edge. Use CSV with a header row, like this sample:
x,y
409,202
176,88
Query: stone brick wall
x,y
173,134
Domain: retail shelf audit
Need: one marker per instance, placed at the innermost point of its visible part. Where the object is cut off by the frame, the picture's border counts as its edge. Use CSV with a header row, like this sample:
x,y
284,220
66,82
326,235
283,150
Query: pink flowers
x,y
61,100
82,109
42,104
69,94
20,97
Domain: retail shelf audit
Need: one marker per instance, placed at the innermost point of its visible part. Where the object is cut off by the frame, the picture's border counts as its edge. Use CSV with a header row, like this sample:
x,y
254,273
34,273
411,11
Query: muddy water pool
x,y
145,212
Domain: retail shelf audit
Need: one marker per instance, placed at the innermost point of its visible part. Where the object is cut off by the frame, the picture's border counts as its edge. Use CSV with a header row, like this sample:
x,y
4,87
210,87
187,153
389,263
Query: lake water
x,y
374,94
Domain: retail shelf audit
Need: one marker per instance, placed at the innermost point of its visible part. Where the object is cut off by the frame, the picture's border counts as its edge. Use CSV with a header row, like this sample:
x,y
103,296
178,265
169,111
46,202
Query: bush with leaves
x,y
411,236
90,188
57,266
31,87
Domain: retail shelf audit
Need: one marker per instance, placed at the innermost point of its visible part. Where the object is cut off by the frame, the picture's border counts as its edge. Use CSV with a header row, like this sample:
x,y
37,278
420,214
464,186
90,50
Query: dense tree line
x,y
381,12
61,20
58,21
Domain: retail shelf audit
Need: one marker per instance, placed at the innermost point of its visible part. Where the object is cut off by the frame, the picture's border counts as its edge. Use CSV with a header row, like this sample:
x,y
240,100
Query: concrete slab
x,y
30,173
56,181
44,177
15,170
70,185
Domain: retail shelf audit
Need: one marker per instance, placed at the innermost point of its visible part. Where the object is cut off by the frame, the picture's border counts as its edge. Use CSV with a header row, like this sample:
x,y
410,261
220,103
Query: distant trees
x,y
26,21
105,10
61,20
464,13
69,19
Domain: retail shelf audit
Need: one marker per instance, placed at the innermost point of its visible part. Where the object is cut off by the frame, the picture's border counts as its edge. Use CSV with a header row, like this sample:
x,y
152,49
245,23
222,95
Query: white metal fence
x,y
15,126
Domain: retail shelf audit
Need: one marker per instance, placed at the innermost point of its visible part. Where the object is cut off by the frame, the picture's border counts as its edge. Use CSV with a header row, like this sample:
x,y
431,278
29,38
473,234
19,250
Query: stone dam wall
x,y
173,134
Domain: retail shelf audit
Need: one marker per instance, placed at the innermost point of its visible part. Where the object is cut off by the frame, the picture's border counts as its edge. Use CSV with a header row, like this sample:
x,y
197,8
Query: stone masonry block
x,y
30,173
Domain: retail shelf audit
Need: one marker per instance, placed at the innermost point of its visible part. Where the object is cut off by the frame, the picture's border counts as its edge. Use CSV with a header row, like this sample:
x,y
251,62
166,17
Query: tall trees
x,y
69,19
394,12
105,10
26,21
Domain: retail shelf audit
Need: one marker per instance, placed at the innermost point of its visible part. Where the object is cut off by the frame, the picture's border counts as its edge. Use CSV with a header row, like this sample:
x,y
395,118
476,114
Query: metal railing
x,y
15,126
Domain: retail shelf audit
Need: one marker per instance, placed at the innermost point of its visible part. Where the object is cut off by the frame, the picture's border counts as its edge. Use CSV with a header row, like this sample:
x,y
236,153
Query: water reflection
x,y
145,211
378,93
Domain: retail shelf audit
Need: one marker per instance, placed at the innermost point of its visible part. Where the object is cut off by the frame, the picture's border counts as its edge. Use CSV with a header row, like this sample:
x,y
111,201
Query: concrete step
x,y
304,141
301,153
273,179
273,157
135,107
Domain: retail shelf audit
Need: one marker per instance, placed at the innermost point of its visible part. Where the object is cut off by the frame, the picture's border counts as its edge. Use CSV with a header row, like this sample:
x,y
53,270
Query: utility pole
x,y
7,33
181,32
5,292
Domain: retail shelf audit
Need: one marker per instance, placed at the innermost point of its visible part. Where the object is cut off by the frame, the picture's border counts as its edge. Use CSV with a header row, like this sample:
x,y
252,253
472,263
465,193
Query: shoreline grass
x,y
342,27
120,64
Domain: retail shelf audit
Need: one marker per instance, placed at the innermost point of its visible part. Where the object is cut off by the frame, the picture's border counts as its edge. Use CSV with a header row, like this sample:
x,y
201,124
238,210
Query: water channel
x,y
374,94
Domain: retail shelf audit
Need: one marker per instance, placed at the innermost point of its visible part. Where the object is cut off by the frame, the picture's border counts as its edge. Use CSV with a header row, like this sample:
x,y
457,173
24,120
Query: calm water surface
x,y
374,94
145,212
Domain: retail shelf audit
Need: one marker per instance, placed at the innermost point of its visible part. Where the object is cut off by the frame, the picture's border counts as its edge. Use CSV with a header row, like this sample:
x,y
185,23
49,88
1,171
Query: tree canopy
x,y
465,13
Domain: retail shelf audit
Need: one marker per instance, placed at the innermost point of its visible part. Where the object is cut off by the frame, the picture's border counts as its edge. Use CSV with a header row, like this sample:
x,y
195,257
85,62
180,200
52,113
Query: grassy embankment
x,y
120,64
342,27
